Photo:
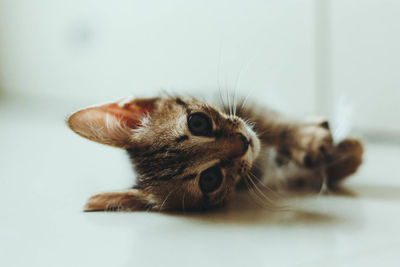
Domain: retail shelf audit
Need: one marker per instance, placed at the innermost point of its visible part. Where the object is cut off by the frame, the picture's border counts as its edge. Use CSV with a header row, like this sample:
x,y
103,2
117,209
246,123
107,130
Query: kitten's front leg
x,y
129,200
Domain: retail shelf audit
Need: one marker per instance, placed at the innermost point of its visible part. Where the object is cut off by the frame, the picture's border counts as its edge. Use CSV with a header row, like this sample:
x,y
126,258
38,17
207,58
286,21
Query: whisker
x,y
324,187
219,68
244,102
219,79
223,105
274,194
256,185
254,194
166,198
234,101
266,199
228,99
237,83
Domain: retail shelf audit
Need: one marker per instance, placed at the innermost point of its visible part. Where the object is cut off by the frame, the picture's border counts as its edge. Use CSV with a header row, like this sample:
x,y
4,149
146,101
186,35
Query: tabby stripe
x,y
190,177
182,169
181,138
180,102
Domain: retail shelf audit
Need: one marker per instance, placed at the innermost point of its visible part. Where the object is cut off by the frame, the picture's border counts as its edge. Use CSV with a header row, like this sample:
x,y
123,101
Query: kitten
x,y
189,155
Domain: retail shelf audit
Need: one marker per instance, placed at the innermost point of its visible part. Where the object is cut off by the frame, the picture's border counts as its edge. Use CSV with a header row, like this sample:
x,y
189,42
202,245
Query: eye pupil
x,y
199,124
210,180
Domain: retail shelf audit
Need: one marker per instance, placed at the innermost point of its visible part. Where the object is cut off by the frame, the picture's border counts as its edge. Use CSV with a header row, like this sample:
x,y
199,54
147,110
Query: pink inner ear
x,y
129,113
111,124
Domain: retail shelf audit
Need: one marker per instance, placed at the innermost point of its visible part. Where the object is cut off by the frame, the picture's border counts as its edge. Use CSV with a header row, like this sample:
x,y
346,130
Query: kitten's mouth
x,y
254,149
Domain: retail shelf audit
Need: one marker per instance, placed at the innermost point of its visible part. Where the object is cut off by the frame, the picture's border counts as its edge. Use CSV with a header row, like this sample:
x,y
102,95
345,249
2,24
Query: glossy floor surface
x,y
47,173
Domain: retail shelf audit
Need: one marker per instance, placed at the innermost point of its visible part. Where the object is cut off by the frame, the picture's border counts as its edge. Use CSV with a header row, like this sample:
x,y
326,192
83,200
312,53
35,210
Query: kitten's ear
x,y
130,200
112,123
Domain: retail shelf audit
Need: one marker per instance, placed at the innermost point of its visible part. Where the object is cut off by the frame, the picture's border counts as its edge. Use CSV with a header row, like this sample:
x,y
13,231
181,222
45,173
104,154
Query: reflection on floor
x,y
47,172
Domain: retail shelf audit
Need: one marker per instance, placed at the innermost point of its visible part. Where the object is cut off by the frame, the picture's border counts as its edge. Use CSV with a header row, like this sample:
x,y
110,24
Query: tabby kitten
x,y
189,155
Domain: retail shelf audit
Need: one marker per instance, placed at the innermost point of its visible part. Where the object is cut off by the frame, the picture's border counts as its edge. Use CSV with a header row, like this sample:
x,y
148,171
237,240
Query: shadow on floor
x,y
243,210
341,206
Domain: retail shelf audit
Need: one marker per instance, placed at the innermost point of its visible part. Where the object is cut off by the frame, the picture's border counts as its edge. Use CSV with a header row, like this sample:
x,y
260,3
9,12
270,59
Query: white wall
x,y
299,55
365,47
99,50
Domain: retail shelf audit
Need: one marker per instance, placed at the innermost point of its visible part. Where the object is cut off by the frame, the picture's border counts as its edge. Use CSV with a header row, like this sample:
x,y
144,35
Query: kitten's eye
x,y
210,180
199,124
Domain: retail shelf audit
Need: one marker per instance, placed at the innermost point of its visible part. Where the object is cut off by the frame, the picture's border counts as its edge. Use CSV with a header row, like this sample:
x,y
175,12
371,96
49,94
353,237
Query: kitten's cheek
x,y
243,169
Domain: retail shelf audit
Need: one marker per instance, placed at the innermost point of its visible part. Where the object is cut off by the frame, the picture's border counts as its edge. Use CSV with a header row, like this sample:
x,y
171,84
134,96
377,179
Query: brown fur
x,y
345,160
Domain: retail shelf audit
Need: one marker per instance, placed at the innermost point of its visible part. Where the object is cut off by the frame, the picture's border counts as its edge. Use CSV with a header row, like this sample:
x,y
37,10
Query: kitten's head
x,y
187,154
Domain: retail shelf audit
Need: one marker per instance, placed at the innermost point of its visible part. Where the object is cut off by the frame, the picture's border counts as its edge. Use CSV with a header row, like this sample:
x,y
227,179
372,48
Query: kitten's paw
x,y
345,160
104,202
313,143
130,200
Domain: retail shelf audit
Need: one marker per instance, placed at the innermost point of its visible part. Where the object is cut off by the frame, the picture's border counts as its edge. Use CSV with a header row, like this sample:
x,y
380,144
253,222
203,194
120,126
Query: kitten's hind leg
x,y
130,200
309,144
344,161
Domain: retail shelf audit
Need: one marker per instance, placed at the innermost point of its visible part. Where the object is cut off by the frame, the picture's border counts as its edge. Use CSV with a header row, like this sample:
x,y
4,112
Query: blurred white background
x,y
300,56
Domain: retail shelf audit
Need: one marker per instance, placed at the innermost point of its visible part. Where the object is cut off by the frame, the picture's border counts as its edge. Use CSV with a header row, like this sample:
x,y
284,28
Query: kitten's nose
x,y
241,144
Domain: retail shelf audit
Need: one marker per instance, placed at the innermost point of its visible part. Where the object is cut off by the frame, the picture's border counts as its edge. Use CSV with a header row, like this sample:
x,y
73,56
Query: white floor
x,y
47,172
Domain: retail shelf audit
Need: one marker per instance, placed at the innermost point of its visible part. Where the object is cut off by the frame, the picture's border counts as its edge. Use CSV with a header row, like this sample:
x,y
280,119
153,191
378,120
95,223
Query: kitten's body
x,y
189,155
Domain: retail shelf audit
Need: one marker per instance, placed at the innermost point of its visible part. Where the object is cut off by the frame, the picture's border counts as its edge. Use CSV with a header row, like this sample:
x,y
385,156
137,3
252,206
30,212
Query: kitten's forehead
x,y
192,105
169,119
